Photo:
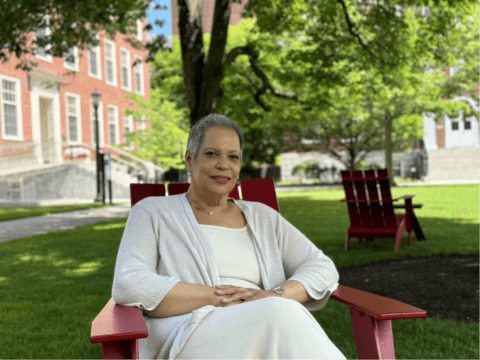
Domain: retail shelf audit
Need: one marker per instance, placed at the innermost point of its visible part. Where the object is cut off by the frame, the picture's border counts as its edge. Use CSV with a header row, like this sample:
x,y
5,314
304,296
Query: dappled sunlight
x,y
84,269
3,280
62,262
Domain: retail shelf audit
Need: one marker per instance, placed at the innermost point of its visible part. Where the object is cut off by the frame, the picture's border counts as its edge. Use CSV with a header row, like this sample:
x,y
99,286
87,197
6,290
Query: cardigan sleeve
x,y
136,282
307,264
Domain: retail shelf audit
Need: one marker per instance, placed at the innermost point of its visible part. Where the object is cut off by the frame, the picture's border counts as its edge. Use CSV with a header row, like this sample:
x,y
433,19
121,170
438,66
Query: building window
x,y
139,76
126,74
112,124
11,109
397,168
468,125
127,128
71,59
139,30
94,62
454,125
72,119
41,51
111,63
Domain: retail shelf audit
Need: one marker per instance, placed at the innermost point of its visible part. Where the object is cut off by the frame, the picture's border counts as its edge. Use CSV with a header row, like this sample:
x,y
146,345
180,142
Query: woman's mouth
x,y
221,180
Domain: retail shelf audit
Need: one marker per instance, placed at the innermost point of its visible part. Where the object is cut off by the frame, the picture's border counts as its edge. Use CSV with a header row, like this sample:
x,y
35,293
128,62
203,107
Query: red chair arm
x,y
405,197
376,306
118,328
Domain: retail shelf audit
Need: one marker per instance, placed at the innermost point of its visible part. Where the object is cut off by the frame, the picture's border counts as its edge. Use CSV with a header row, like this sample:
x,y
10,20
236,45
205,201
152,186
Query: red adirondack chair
x,y
119,327
373,217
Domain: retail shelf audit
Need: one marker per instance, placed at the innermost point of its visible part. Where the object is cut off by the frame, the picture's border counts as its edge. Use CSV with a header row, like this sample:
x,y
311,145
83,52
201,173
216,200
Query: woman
x,y
210,273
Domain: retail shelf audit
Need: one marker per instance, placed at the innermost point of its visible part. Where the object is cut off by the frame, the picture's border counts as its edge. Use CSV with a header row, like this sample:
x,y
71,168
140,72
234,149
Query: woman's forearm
x,y
184,298
294,290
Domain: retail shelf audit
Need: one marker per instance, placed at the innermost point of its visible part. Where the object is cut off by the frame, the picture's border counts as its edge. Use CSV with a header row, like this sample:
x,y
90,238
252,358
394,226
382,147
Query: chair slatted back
x,y
261,190
369,198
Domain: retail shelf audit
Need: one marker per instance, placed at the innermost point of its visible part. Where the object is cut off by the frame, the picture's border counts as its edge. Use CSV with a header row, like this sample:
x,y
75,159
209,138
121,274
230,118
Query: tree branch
x,y
353,33
253,55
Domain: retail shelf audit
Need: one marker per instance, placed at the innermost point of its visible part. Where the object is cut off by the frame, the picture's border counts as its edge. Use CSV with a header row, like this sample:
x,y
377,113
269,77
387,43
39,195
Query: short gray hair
x,y
197,132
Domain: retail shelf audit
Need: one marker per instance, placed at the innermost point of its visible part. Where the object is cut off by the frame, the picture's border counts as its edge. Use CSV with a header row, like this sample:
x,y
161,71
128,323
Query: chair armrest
x,y
343,200
405,197
376,306
117,322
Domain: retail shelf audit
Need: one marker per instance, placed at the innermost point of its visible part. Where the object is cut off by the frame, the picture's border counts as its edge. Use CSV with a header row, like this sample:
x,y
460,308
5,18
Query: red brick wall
x,y
82,84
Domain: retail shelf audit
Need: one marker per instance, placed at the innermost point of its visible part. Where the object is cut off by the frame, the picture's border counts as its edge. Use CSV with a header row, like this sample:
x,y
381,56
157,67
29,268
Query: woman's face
x,y
219,155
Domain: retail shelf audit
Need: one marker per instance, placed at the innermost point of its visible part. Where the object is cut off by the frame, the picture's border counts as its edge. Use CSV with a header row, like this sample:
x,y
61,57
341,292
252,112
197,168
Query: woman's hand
x,y
233,295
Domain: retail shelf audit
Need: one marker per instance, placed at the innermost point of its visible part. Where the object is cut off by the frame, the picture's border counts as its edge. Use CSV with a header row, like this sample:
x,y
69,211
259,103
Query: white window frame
x,y
101,131
115,122
139,68
114,62
139,35
47,57
78,115
129,120
66,64
129,70
99,65
18,104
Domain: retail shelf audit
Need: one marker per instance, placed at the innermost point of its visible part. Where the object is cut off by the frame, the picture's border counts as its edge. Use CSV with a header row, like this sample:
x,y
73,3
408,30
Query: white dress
x,y
269,328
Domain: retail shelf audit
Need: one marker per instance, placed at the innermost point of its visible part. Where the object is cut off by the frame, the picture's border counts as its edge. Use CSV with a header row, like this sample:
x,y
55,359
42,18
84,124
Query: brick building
x,y
47,115
48,127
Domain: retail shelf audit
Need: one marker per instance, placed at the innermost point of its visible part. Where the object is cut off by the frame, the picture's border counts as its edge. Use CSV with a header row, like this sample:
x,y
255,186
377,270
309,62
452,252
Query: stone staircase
x,y
69,182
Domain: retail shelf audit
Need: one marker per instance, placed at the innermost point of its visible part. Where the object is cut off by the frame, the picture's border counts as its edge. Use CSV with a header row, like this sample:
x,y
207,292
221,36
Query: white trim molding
x,y
12,97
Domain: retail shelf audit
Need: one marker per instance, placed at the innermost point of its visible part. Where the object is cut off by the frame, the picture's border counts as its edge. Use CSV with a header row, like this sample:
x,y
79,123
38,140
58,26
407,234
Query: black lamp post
x,y
95,100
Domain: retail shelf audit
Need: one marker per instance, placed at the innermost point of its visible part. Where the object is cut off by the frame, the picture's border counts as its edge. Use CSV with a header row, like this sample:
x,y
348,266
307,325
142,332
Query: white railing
x,y
15,157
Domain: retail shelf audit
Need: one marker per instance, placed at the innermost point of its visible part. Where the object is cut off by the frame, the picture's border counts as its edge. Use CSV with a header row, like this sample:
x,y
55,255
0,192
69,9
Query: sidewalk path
x,y
21,228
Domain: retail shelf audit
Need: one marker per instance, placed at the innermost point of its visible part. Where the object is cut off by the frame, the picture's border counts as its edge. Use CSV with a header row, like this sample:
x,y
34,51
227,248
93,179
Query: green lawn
x,y
29,211
52,286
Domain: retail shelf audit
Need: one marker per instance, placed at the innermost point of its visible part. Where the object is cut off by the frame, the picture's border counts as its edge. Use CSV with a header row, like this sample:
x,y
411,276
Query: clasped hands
x,y
233,295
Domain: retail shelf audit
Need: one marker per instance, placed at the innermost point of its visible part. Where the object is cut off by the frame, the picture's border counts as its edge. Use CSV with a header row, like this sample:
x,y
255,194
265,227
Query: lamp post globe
x,y
96,100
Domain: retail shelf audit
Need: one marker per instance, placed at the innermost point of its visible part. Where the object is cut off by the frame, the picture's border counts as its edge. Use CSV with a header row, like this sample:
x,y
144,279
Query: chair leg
x,y
400,231
360,239
347,241
410,238
373,338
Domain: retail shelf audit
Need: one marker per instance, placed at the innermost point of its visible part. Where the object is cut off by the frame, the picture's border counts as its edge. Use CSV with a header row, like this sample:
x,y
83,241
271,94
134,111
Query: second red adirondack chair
x,y
370,207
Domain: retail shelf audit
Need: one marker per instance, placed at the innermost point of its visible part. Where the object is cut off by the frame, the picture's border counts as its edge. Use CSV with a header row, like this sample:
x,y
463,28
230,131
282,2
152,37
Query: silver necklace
x,y
211,213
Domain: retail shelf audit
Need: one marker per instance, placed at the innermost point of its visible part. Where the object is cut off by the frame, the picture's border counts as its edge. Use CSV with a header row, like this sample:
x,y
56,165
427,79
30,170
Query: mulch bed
x,y
445,286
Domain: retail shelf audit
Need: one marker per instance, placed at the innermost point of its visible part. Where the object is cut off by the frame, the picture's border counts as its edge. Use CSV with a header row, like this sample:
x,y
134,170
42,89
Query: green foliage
x,y
165,142
67,22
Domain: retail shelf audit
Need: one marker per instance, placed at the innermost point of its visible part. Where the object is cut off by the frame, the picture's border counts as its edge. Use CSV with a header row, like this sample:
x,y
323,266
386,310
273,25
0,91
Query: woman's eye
x,y
235,156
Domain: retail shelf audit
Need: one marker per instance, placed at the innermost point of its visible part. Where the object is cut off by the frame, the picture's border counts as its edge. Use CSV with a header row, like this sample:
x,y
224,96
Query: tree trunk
x,y
388,147
203,80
